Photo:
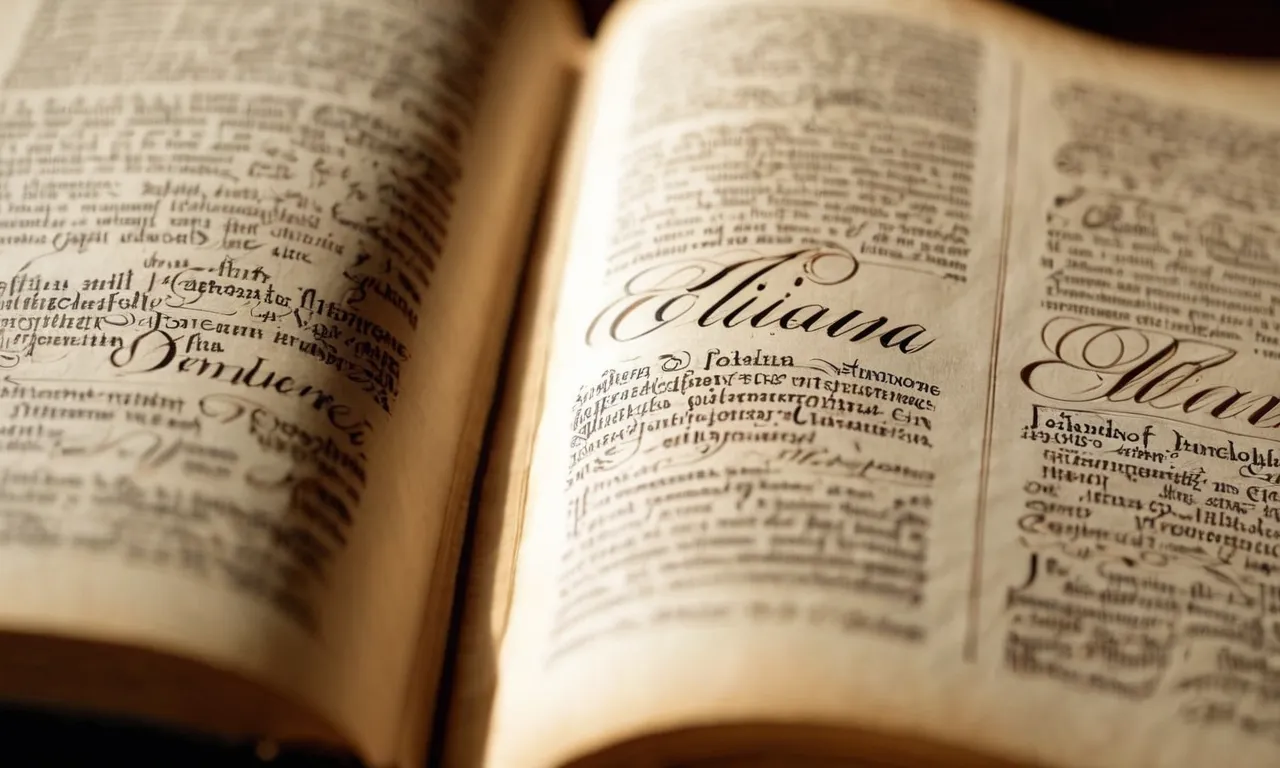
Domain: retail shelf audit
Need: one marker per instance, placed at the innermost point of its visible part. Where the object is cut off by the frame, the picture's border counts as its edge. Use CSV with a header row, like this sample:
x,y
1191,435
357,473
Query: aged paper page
x,y
256,262
833,405
1126,567
506,470
496,504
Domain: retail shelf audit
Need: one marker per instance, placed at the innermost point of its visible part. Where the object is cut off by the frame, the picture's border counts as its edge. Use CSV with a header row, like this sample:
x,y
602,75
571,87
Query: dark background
x,y
1223,27
37,738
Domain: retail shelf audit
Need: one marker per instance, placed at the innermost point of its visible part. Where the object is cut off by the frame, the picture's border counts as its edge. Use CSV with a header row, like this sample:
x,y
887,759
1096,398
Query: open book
x,y
889,382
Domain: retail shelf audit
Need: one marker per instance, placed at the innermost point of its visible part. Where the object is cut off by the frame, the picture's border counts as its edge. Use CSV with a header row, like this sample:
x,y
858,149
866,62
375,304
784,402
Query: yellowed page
x,y
493,540
256,263
794,472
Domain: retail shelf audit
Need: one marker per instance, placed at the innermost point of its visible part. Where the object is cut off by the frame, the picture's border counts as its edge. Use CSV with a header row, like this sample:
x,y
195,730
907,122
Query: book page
x,y
256,265
1126,568
487,572
915,358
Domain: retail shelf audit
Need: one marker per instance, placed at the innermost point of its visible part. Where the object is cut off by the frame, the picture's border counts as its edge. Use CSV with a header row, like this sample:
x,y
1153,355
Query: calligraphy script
x,y
747,288
1097,361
